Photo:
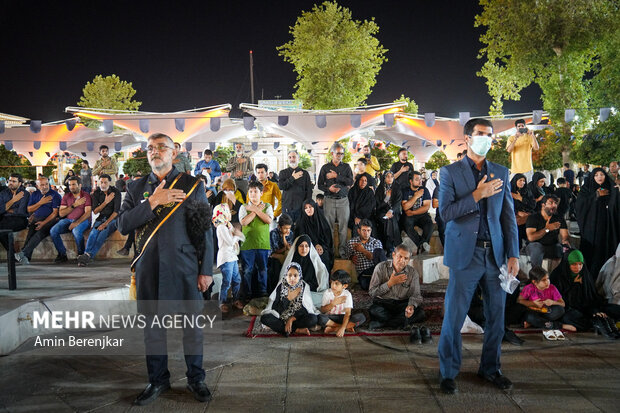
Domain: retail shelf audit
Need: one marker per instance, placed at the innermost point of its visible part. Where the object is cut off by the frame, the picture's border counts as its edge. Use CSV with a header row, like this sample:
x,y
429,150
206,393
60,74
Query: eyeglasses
x,y
158,148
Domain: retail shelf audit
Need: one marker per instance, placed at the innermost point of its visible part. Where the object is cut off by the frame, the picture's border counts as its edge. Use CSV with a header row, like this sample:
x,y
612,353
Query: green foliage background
x,y
558,45
19,165
335,57
411,108
137,163
601,145
498,153
108,92
436,161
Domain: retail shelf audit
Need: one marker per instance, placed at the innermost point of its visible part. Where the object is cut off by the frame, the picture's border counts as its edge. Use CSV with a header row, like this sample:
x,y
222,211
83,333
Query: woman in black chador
x,y
598,216
361,202
313,223
585,309
523,201
388,197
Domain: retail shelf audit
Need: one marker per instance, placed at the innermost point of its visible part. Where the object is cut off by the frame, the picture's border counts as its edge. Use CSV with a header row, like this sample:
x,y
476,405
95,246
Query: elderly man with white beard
x,y
295,185
240,166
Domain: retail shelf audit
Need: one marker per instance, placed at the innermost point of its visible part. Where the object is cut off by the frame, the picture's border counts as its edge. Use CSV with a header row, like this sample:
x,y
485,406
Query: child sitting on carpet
x,y
544,303
290,307
228,242
337,305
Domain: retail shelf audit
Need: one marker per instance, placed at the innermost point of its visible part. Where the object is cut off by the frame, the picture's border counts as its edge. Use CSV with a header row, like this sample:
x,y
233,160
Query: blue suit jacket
x,y
462,215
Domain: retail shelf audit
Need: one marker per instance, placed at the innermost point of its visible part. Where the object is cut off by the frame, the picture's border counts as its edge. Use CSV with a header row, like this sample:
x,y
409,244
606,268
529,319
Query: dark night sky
x,y
180,55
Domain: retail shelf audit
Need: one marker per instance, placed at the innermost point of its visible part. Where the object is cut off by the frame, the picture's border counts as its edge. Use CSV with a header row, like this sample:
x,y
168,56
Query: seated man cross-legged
x,y
75,209
395,289
542,229
106,201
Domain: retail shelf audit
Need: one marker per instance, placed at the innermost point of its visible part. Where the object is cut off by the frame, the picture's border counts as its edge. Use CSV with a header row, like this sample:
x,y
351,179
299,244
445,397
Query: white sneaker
x,y
21,258
426,247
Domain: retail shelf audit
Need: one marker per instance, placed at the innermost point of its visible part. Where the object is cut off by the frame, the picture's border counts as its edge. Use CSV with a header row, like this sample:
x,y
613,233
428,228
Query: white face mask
x,y
480,144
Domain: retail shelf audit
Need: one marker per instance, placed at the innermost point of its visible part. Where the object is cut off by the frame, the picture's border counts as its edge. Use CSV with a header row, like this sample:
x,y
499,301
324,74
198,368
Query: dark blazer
x,y
462,215
169,267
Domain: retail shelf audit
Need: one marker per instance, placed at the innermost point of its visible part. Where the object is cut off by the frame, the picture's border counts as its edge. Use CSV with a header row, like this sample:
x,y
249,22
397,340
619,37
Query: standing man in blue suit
x,y
481,236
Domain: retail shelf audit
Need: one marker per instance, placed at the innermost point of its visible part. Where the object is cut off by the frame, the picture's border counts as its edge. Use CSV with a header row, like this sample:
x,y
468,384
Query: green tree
x,y
411,108
498,153
549,154
222,154
336,58
10,157
110,93
601,145
305,161
436,161
605,86
77,167
385,158
552,43
138,163
50,168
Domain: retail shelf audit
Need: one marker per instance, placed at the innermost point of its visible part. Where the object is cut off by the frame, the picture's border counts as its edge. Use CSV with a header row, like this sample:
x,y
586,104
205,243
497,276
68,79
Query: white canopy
x,y
307,127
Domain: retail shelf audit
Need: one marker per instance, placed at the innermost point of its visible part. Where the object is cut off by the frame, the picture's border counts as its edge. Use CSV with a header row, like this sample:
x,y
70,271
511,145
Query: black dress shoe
x,y
150,394
426,335
512,338
447,386
200,391
498,379
415,336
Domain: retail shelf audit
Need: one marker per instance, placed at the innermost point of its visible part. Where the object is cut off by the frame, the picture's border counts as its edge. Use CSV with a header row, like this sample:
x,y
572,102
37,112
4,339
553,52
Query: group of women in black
x,y
597,210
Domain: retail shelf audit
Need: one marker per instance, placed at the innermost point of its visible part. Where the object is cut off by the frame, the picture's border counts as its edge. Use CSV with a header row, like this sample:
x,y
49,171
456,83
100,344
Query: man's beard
x,y
550,212
162,167
77,191
293,164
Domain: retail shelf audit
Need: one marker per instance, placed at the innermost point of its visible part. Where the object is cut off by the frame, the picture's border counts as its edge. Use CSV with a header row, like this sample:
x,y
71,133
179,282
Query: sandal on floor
x,y
559,335
549,335
224,308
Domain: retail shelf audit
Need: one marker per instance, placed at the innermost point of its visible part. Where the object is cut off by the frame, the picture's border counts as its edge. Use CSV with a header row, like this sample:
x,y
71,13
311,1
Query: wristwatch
x,y
547,230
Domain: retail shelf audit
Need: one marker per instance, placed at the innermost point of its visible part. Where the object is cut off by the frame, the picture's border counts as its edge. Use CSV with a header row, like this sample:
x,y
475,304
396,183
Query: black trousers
x,y
155,341
34,237
549,320
13,223
423,221
131,237
364,277
582,319
392,313
277,324
357,319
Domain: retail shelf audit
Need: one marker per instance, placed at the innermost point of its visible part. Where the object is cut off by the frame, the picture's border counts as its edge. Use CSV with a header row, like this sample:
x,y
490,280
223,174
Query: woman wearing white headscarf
x,y
290,308
314,270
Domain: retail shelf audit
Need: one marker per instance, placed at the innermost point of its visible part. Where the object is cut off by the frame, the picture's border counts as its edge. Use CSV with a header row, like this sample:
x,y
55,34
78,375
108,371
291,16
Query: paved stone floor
x,y
354,374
